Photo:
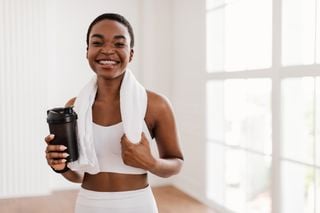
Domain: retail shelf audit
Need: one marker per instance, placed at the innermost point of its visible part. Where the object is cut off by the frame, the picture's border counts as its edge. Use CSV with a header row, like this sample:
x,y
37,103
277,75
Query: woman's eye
x,y
96,43
119,44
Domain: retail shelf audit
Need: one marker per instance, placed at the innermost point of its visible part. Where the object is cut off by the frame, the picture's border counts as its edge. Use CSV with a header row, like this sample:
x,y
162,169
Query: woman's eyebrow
x,y
97,35
120,37
114,37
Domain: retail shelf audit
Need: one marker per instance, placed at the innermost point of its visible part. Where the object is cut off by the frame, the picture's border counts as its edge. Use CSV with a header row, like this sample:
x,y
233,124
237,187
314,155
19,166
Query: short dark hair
x,y
115,17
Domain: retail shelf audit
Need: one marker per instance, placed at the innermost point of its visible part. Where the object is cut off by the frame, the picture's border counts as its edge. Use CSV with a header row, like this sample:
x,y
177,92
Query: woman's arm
x,y
161,122
166,136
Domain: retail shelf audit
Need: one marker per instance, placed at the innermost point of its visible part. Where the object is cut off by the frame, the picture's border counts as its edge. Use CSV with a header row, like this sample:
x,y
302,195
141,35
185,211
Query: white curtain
x,y
23,80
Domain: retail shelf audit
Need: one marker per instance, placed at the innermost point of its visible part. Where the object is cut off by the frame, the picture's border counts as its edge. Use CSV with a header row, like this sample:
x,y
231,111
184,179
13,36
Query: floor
x,y
169,200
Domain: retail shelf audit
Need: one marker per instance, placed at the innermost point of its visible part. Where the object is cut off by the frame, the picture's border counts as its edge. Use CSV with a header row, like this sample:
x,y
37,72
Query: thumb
x,y
143,139
49,138
124,139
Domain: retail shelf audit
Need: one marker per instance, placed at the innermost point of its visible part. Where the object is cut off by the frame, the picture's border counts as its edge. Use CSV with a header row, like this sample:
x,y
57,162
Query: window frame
x,y
277,73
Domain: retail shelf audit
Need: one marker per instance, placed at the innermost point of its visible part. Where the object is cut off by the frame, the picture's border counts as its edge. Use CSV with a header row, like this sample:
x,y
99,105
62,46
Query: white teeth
x,y
106,62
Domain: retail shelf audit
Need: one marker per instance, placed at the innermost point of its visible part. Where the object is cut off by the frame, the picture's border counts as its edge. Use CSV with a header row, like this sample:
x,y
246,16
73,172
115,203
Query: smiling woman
x,y
118,120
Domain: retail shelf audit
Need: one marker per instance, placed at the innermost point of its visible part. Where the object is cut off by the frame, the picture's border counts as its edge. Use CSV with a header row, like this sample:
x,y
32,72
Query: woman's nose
x,y
107,49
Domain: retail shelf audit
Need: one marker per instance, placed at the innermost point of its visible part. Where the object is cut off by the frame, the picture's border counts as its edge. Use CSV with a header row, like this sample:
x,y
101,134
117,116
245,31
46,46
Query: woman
x,y
121,185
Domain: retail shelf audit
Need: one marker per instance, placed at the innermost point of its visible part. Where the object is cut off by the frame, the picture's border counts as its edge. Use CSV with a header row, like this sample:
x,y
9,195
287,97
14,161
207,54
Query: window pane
x,y
248,113
298,119
247,182
238,180
235,180
318,191
215,40
239,114
318,35
249,123
215,111
258,184
297,188
298,32
239,36
216,173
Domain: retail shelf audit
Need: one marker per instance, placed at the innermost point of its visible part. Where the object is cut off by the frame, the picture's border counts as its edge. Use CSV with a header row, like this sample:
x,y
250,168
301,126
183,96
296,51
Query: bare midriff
x,y
114,182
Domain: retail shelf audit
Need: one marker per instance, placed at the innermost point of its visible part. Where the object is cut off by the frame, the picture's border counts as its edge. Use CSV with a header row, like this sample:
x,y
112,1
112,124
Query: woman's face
x,y
109,49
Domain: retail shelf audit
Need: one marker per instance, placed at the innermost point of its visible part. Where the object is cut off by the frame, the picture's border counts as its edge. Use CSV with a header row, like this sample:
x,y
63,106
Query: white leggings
x,y
136,201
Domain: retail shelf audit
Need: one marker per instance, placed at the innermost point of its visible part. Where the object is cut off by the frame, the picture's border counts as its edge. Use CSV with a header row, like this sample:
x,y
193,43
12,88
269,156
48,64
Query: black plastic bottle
x,y
63,124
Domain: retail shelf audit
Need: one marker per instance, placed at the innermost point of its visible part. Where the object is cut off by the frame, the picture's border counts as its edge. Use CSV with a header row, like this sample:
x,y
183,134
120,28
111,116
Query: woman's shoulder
x,y
157,101
159,108
160,115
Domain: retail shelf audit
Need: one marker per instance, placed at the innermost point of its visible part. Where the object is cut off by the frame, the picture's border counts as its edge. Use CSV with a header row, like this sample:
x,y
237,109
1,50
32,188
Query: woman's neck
x,y
108,89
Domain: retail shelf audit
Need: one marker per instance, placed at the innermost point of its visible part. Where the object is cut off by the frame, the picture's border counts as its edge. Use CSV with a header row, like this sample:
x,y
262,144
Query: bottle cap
x,y
61,115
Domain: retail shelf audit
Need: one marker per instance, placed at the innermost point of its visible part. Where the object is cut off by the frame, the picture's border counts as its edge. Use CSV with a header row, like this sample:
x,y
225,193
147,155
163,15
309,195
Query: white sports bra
x,y
108,148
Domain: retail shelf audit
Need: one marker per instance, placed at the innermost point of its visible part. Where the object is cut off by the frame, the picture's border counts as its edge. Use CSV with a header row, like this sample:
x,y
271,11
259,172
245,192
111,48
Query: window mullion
x,y
276,105
314,143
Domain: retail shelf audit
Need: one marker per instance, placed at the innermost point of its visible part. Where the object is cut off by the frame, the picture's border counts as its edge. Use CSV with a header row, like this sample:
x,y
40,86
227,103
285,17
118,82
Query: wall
x,y
189,92
157,45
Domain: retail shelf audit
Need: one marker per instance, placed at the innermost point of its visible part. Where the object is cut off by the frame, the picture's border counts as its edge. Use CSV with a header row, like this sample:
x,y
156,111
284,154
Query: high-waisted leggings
x,y
136,201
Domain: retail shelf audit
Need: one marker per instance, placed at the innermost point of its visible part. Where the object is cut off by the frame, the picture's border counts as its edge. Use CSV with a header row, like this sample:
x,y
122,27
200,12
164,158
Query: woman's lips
x,y
107,62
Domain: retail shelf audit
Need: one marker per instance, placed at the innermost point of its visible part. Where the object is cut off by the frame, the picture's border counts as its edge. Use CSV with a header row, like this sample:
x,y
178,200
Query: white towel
x,y
133,106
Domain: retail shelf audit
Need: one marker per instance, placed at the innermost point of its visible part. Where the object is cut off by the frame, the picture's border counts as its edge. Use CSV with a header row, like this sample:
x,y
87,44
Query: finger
x,y
59,166
142,134
56,155
53,162
124,139
143,138
55,148
49,138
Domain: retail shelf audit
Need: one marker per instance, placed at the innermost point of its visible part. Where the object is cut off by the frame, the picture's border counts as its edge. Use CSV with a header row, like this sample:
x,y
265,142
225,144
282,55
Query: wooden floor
x,y
169,200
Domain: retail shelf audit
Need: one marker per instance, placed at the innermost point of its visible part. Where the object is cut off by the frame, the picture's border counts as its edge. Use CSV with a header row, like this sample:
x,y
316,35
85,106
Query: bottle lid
x,y
61,115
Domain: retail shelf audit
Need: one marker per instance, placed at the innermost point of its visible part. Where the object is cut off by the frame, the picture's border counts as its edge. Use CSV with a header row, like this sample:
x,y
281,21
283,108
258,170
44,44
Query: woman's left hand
x,y
137,154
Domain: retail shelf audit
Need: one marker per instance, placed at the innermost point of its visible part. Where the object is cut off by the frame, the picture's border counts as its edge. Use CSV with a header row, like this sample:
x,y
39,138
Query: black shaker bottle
x,y
62,123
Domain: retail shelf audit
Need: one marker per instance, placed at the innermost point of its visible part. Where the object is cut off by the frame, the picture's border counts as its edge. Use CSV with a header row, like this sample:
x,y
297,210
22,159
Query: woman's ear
x,y
87,53
131,55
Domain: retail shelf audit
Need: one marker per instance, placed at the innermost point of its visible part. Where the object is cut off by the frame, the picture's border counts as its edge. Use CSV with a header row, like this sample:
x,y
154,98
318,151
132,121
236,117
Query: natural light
x,y
263,122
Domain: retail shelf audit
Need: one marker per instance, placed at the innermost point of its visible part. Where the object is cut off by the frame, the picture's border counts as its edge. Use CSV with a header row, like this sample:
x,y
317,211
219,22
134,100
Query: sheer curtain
x,y
23,80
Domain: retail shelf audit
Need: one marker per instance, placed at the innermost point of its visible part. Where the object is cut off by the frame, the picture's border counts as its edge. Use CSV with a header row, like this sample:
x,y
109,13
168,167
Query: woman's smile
x,y
109,52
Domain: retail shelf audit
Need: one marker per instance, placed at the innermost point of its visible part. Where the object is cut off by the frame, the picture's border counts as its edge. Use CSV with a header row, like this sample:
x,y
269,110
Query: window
x,y
238,35
239,138
263,105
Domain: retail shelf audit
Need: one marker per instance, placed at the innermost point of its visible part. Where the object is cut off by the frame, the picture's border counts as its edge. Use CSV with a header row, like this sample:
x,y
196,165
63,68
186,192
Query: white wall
x,y
157,45
189,92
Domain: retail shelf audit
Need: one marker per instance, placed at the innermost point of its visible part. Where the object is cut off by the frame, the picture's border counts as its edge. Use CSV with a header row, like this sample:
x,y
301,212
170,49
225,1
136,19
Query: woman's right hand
x,y
55,156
